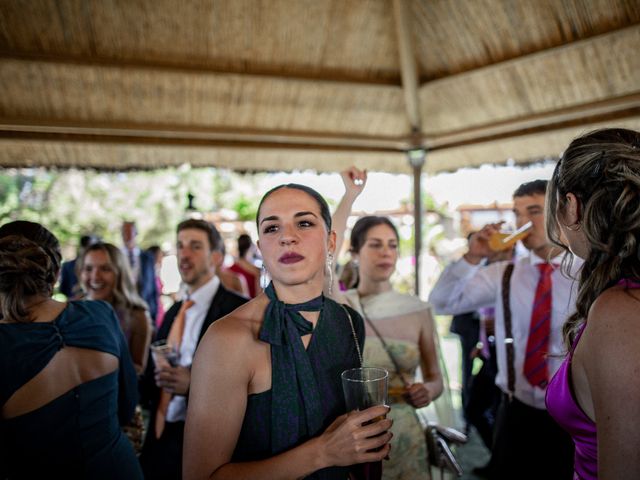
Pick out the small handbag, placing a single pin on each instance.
(439, 439)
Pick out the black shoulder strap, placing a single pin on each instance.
(508, 332)
(355, 336)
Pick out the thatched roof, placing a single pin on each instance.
(292, 84)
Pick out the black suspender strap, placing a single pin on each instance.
(508, 333)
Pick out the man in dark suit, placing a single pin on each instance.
(142, 266)
(166, 387)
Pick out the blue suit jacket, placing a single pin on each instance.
(147, 286)
(68, 279)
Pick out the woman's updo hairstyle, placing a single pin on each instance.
(359, 237)
(29, 264)
(325, 213)
(602, 169)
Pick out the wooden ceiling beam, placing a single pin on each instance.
(181, 135)
(329, 75)
(408, 68)
(610, 109)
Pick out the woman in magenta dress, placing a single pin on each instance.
(594, 210)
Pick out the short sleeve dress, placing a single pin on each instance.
(76, 435)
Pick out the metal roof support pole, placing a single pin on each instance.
(416, 158)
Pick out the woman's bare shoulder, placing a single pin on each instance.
(614, 317)
(243, 323)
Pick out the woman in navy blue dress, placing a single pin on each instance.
(67, 381)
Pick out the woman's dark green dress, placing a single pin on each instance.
(306, 389)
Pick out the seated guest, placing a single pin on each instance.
(67, 382)
(594, 211)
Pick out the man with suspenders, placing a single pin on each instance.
(532, 299)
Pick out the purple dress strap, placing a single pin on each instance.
(563, 407)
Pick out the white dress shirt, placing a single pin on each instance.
(194, 318)
(464, 287)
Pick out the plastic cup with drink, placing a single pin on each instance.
(164, 354)
(503, 240)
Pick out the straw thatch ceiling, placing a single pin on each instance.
(291, 84)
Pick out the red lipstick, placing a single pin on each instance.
(290, 257)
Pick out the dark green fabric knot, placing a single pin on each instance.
(279, 315)
(296, 410)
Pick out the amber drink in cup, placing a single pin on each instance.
(503, 240)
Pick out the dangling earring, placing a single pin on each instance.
(575, 227)
(264, 277)
(330, 267)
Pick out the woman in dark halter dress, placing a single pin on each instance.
(67, 382)
(266, 399)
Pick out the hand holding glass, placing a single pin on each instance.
(364, 388)
(503, 240)
(164, 354)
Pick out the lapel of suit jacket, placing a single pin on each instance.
(214, 311)
(168, 321)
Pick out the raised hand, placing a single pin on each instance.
(354, 181)
(479, 243)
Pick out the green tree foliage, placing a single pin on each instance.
(73, 202)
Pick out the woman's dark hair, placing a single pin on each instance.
(29, 264)
(325, 213)
(215, 240)
(602, 169)
(363, 225)
(244, 244)
(535, 187)
(154, 250)
(359, 236)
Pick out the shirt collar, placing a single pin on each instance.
(204, 294)
(536, 260)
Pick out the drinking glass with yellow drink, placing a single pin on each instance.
(503, 240)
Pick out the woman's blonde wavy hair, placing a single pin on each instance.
(602, 169)
(125, 294)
